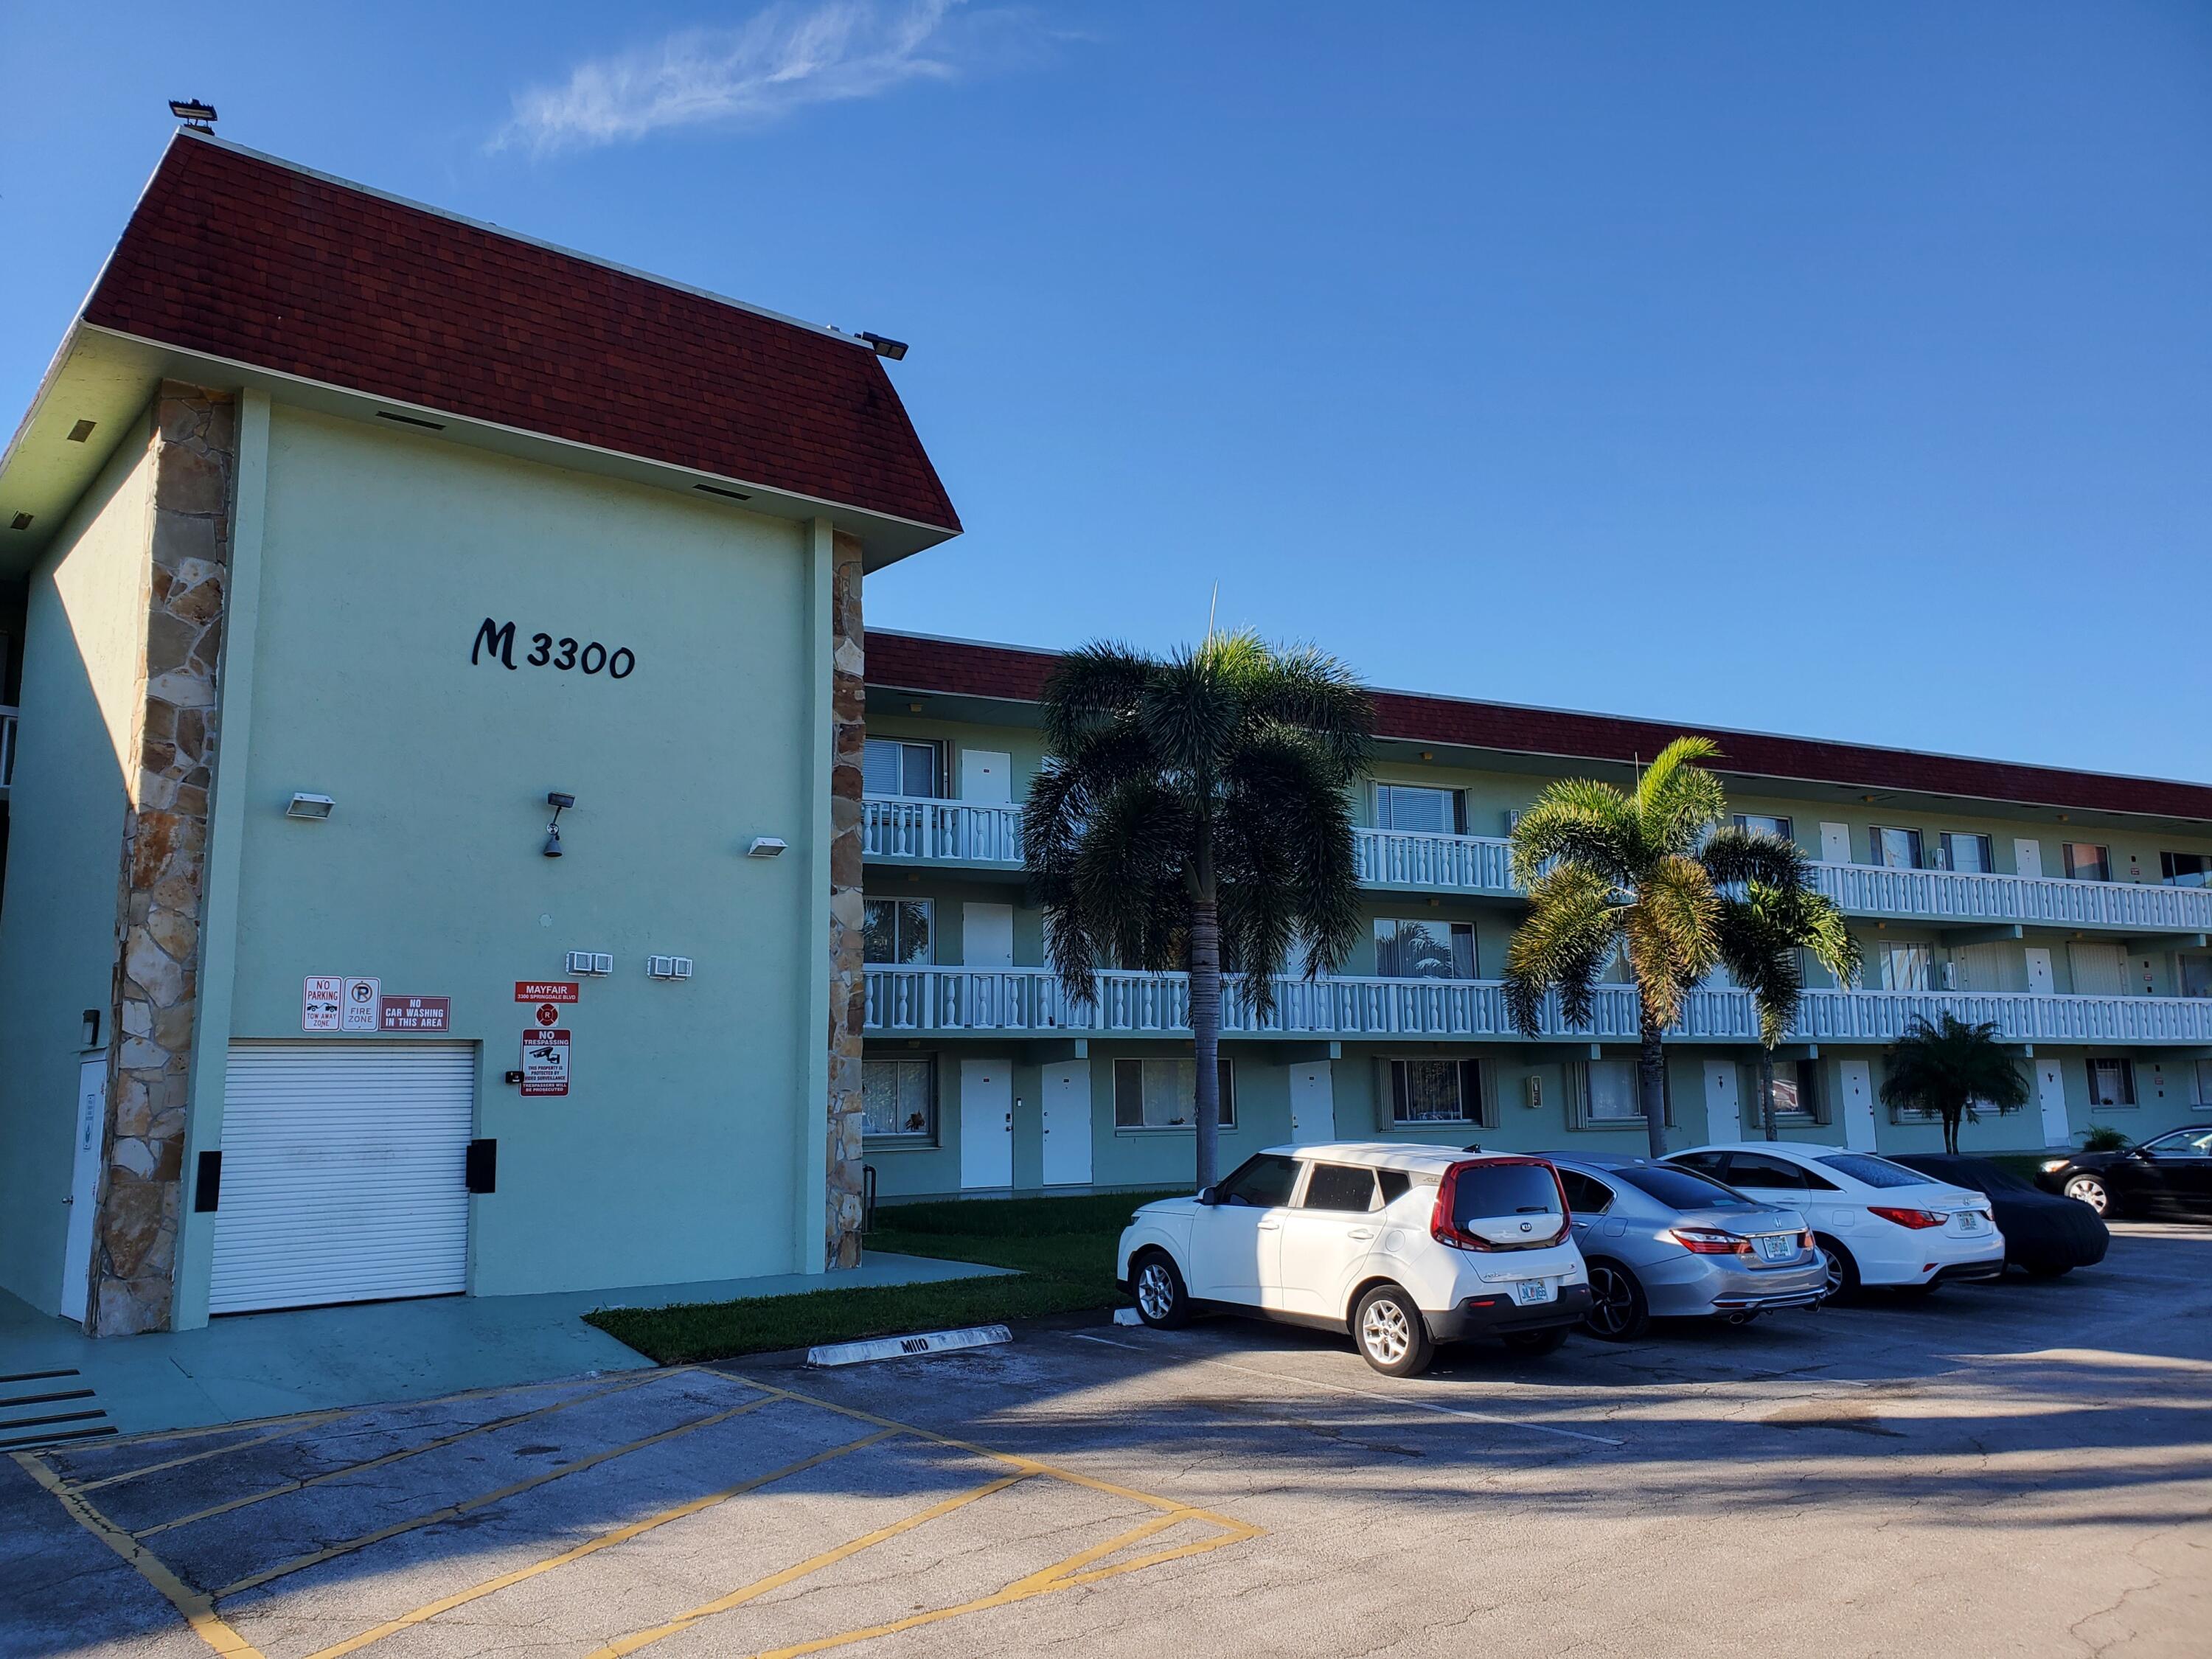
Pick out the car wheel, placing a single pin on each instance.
(2087, 1189)
(1391, 1333)
(1536, 1342)
(1620, 1312)
(1162, 1301)
(1842, 1271)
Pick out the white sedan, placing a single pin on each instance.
(1403, 1246)
(1878, 1222)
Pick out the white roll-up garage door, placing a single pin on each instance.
(343, 1173)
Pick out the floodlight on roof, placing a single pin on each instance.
(194, 113)
(894, 349)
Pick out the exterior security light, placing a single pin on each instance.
(894, 349)
(766, 847)
(194, 113)
(560, 804)
(314, 808)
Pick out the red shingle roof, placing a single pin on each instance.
(913, 662)
(236, 256)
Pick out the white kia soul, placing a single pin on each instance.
(1402, 1247)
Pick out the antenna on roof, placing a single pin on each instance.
(199, 117)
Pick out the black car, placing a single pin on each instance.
(2043, 1234)
(2168, 1176)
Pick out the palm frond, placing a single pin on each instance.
(1736, 856)
(1578, 821)
(1089, 686)
(1307, 689)
(1570, 934)
(1677, 800)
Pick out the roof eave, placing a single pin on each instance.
(108, 378)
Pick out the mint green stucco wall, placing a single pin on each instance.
(83, 652)
(675, 1156)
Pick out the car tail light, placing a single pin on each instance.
(1915, 1219)
(1445, 1230)
(1805, 1239)
(1709, 1240)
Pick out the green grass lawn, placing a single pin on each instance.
(1062, 1248)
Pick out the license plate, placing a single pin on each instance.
(1778, 1247)
(1532, 1289)
(1970, 1221)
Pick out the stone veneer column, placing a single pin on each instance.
(164, 859)
(848, 998)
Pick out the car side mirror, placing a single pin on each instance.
(1207, 1195)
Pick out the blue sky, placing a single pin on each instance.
(1836, 369)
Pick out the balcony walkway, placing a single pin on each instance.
(965, 834)
(1030, 1002)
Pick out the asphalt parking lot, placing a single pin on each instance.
(2020, 1469)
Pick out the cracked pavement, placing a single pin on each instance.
(2017, 1468)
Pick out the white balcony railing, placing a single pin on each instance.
(1434, 864)
(962, 833)
(941, 831)
(1030, 1000)
(2037, 900)
(7, 748)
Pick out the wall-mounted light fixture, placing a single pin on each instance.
(560, 804)
(92, 1028)
(591, 962)
(668, 967)
(894, 349)
(766, 847)
(314, 808)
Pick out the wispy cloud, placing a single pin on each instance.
(778, 61)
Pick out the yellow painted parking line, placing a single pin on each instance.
(430, 1610)
(1048, 1581)
(279, 1491)
(198, 1608)
(293, 1423)
(451, 1512)
(1017, 1459)
(292, 1427)
(776, 1581)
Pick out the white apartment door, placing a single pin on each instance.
(1858, 1105)
(987, 1123)
(1313, 1103)
(2039, 982)
(986, 935)
(1067, 1124)
(2026, 857)
(1835, 843)
(343, 1173)
(986, 776)
(84, 1183)
(2050, 1096)
(1723, 1102)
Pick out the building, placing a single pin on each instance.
(2069, 908)
(349, 535)
(458, 839)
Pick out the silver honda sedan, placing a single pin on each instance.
(1669, 1244)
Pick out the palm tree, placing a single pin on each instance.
(1950, 1069)
(1195, 813)
(1639, 872)
(1767, 928)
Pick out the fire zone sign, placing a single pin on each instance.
(545, 1062)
